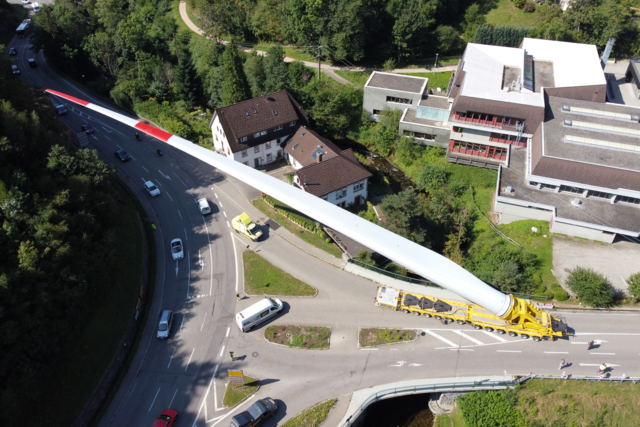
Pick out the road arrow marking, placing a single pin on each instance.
(168, 177)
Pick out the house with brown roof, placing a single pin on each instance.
(306, 147)
(340, 179)
(252, 131)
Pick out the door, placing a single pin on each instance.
(257, 161)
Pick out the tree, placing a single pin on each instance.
(591, 287)
(253, 68)
(473, 18)
(222, 18)
(186, 84)
(102, 51)
(364, 256)
(634, 285)
(299, 76)
(410, 28)
(404, 215)
(432, 176)
(507, 276)
(275, 70)
(236, 88)
(333, 108)
(449, 40)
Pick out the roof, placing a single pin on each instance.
(397, 82)
(254, 115)
(434, 101)
(589, 142)
(532, 115)
(330, 175)
(305, 144)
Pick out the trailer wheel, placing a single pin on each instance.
(448, 320)
(513, 334)
(478, 327)
(545, 338)
(438, 317)
(460, 322)
(500, 331)
(537, 339)
(417, 313)
(427, 315)
(524, 336)
(405, 311)
(488, 329)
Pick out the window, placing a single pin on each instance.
(342, 205)
(277, 128)
(418, 135)
(574, 190)
(275, 113)
(268, 144)
(256, 149)
(245, 163)
(244, 153)
(630, 200)
(341, 193)
(548, 187)
(243, 139)
(269, 157)
(258, 134)
(254, 111)
(599, 195)
(398, 100)
(257, 161)
(359, 186)
(533, 183)
(293, 123)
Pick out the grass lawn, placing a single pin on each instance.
(87, 357)
(356, 77)
(260, 277)
(507, 13)
(311, 238)
(377, 336)
(236, 393)
(312, 417)
(436, 80)
(307, 337)
(454, 419)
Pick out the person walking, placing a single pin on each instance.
(237, 297)
(589, 345)
(561, 365)
(603, 367)
(231, 356)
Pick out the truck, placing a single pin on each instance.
(524, 320)
(61, 109)
(243, 225)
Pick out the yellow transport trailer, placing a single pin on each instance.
(523, 319)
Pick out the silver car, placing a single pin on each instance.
(177, 251)
(151, 189)
(203, 204)
(164, 326)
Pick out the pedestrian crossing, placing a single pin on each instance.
(455, 338)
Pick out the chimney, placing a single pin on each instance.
(319, 157)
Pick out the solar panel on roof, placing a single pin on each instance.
(602, 143)
(528, 72)
(605, 128)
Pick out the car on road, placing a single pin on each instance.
(15, 69)
(151, 189)
(26, 1)
(36, 7)
(88, 129)
(12, 51)
(166, 419)
(164, 325)
(177, 251)
(122, 155)
(204, 207)
(32, 63)
(256, 414)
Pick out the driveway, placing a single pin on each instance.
(616, 261)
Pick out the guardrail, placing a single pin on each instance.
(607, 378)
(467, 385)
(393, 275)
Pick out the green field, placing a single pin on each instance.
(312, 417)
(236, 393)
(436, 79)
(260, 277)
(507, 13)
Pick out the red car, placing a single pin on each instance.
(166, 419)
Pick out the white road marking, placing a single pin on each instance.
(154, 400)
(132, 157)
(415, 364)
(107, 137)
(433, 334)
(596, 364)
(171, 358)
(170, 196)
(210, 257)
(399, 364)
(180, 180)
(220, 204)
(594, 341)
(228, 329)
(462, 334)
(145, 169)
(94, 137)
(224, 213)
(370, 349)
(605, 354)
(556, 352)
(187, 367)
(185, 235)
(158, 182)
(119, 146)
(508, 351)
(106, 129)
(205, 318)
(188, 274)
(461, 349)
(228, 226)
(180, 214)
(167, 177)
(496, 336)
(232, 411)
(221, 351)
(182, 323)
(215, 194)
(174, 396)
(235, 255)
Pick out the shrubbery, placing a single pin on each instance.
(490, 408)
(634, 285)
(590, 287)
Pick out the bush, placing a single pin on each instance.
(634, 285)
(490, 408)
(560, 294)
(519, 3)
(548, 294)
(529, 7)
(592, 288)
(327, 240)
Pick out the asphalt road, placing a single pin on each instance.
(179, 372)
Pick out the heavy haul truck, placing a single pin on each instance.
(524, 319)
(511, 313)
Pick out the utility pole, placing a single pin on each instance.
(436, 63)
(319, 56)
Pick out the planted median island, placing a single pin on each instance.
(371, 337)
(308, 337)
(263, 278)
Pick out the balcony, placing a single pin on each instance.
(491, 120)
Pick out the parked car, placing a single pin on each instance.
(164, 325)
(256, 414)
(88, 129)
(12, 51)
(151, 189)
(122, 155)
(26, 1)
(15, 69)
(204, 207)
(177, 251)
(166, 419)
(36, 7)
(32, 63)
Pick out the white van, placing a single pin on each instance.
(258, 312)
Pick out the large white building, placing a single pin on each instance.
(252, 131)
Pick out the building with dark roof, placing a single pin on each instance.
(633, 76)
(306, 147)
(252, 131)
(340, 179)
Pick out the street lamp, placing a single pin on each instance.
(436, 63)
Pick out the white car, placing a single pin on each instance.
(36, 8)
(203, 205)
(177, 252)
(26, 1)
(152, 189)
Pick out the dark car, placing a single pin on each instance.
(32, 63)
(166, 419)
(256, 413)
(12, 51)
(122, 155)
(88, 129)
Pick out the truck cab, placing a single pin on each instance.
(243, 225)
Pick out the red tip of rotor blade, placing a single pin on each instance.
(160, 134)
(69, 97)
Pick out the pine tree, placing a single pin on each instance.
(275, 70)
(186, 85)
(236, 88)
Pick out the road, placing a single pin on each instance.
(179, 372)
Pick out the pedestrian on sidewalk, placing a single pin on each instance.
(231, 356)
(561, 365)
(237, 297)
(589, 345)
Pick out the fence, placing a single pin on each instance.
(621, 379)
(393, 275)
